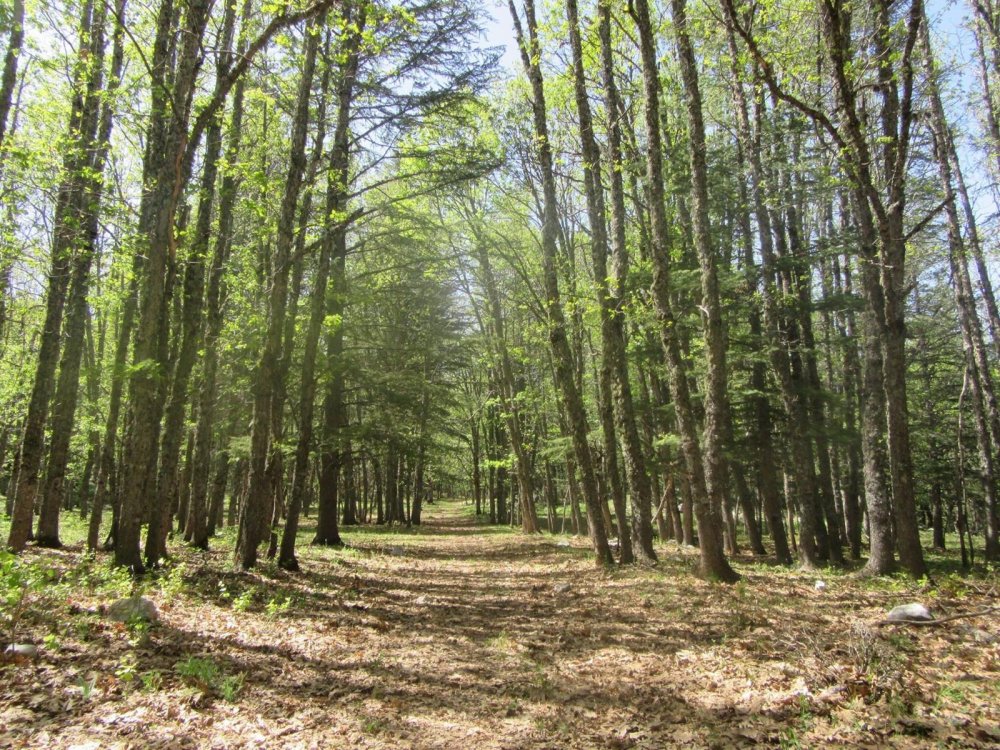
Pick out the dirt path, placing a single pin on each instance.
(463, 636)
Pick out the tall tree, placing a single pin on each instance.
(706, 506)
(561, 354)
(255, 513)
(68, 236)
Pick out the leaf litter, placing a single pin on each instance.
(461, 637)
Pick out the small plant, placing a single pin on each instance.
(789, 739)
(51, 642)
(230, 687)
(138, 630)
(151, 680)
(201, 672)
(952, 586)
(172, 584)
(127, 669)
(899, 708)
(206, 676)
(23, 585)
(244, 601)
(741, 612)
(112, 582)
(874, 658)
(82, 628)
(951, 692)
(540, 681)
(277, 606)
(86, 687)
(500, 642)
(513, 708)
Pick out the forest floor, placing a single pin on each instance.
(459, 635)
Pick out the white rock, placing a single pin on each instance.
(20, 651)
(821, 585)
(910, 612)
(561, 588)
(132, 609)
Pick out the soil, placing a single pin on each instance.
(460, 635)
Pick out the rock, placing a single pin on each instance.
(563, 543)
(833, 694)
(134, 609)
(910, 613)
(820, 585)
(561, 588)
(420, 600)
(396, 551)
(20, 652)
(978, 635)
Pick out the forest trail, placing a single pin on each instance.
(460, 635)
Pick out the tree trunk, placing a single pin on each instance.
(984, 398)
(307, 398)
(164, 174)
(334, 412)
(192, 339)
(68, 234)
(95, 140)
(561, 353)
(713, 560)
(255, 514)
(206, 409)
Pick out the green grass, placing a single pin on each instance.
(945, 567)
(72, 528)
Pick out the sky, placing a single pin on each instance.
(500, 33)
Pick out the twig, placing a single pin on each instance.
(940, 620)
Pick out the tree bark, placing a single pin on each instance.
(307, 398)
(334, 412)
(69, 222)
(713, 559)
(192, 337)
(558, 341)
(213, 306)
(164, 175)
(95, 141)
(255, 514)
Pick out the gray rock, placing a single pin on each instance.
(978, 635)
(909, 613)
(134, 609)
(20, 651)
(561, 588)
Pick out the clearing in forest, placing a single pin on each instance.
(460, 635)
